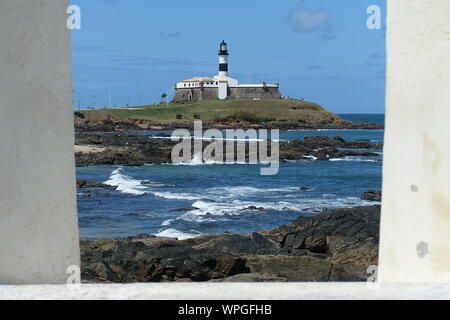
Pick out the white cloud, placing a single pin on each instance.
(305, 21)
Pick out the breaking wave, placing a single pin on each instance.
(356, 159)
(126, 184)
(176, 196)
(208, 211)
(174, 233)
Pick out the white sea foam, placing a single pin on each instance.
(310, 157)
(213, 208)
(209, 211)
(174, 233)
(328, 195)
(198, 160)
(206, 211)
(126, 184)
(176, 196)
(222, 193)
(167, 223)
(241, 191)
(355, 159)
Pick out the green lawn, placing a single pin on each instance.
(214, 110)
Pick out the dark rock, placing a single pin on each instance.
(288, 240)
(372, 195)
(133, 215)
(253, 208)
(231, 266)
(336, 245)
(142, 236)
(261, 243)
(186, 209)
(84, 184)
(293, 268)
(79, 115)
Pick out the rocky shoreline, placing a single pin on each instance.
(336, 245)
(137, 150)
(111, 124)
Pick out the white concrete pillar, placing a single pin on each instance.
(415, 228)
(38, 222)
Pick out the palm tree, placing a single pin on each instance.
(164, 96)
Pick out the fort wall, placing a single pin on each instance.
(255, 93)
(199, 94)
(196, 94)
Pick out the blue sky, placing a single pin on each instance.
(318, 50)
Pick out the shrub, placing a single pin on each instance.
(179, 116)
(247, 117)
(197, 116)
(79, 115)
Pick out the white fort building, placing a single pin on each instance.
(221, 86)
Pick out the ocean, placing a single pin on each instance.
(185, 201)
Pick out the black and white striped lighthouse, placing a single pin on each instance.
(223, 60)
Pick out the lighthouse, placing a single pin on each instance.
(223, 61)
(223, 70)
(221, 86)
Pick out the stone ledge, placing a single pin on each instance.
(231, 291)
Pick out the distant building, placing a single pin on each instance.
(222, 87)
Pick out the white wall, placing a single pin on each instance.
(223, 90)
(415, 229)
(38, 224)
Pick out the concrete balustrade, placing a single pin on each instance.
(38, 225)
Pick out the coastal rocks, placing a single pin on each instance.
(336, 245)
(233, 243)
(123, 149)
(372, 195)
(292, 268)
(348, 236)
(324, 149)
(251, 277)
(231, 266)
(253, 208)
(84, 184)
(108, 124)
(189, 209)
(137, 150)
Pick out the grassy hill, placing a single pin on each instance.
(255, 111)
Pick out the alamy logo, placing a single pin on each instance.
(74, 279)
(228, 147)
(374, 20)
(372, 271)
(74, 19)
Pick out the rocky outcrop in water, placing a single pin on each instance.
(324, 148)
(137, 150)
(84, 184)
(372, 195)
(336, 245)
